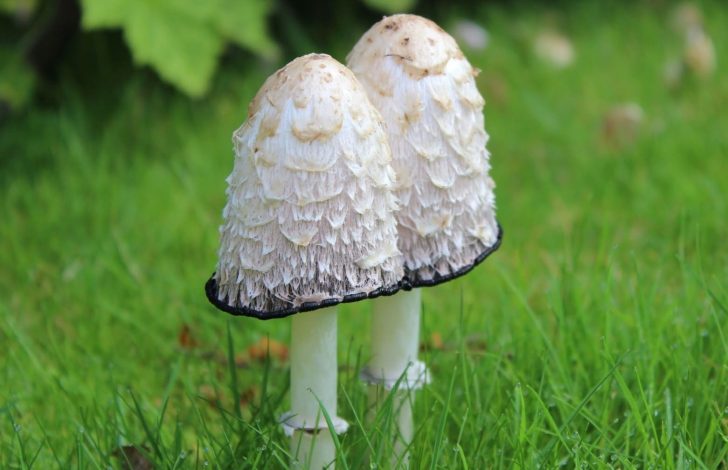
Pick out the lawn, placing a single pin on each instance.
(596, 337)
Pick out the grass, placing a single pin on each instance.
(595, 338)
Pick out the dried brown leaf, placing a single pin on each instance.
(259, 350)
(248, 395)
(133, 458)
(185, 338)
(621, 124)
(476, 343)
(434, 342)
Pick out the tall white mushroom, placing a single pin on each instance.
(425, 89)
(308, 224)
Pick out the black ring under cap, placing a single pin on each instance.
(211, 291)
(409, 282)
(412, 280)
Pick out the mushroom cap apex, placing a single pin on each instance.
(310, 78)
(416, 43)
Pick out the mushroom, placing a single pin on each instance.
(308, 224)
(419, 80)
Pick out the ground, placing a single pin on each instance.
(595, 337)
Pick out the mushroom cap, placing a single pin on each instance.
(309, 217)
(419, 80)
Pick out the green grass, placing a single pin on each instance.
(596, 337)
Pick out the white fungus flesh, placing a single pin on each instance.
(309, 215)
(419, 80)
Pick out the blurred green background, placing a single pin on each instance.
(594, 338)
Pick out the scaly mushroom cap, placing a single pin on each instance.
(425, 89)
(309, 218)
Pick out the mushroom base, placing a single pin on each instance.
(291, 424)
(402, 403)
(416, 377)
(312, 450)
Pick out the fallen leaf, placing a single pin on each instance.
(133, 458)
(259, 350)
(476, 343)
(241, 361)
(185, 338)
(434, 342)
(495, 88)
(209, 394)
(248, 395)
(554, 48)
(471, 34)
(672, 73)
(621, 124)
(699, 53)
(686, 16)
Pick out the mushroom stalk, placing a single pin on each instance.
(313, 387)
(395, 334)
(402, 404)
(395, 344)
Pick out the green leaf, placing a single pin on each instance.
(391, 6)
(17, 80)
(244, 24)
(103, 13)
(19, 8)
(184, 51)
(182, 39)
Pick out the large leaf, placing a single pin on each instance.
(18, 8)
(182, 39)
(243, 22)
(17, 80)
(391, 6)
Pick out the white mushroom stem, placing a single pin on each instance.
(395, 344)
(402, 404)
(312, 451)
(313, 387)
(395, 334)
